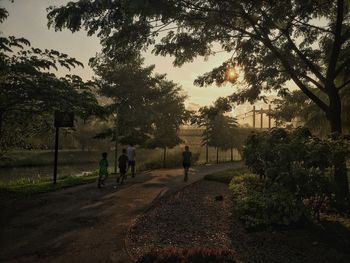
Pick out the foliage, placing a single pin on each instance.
(42, 185)
(183, 255)
(259, 204)
(218, 129)
(28, 86)
(128, 90)
(148, 107)
(296, 106)
(169, 114)
(298, 162)
(272, 41)
(174, 160)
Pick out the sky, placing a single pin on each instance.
(27, 18)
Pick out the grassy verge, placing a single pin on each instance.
(43, 185)
(173, 160)
(225, 176)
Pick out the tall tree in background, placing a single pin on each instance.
(169, 113)
(129, 90)
(218, 128)
(307, 42)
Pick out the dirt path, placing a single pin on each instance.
(84, 224)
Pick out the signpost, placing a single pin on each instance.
(62, 119)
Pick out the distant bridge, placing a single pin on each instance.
(254, 112)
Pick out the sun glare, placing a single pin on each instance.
(231, 74)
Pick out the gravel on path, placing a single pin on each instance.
(193, 218)
(190, 218)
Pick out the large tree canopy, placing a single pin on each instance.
(271, 41)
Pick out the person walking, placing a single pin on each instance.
(123, 162)
(131, 156)
(186, 161)
(103, 170)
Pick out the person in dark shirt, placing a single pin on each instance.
(103, 170)
(186, 161)
(123, 164)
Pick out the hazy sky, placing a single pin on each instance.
(27, 18)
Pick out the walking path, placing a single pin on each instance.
(85, 224)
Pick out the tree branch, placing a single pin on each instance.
(294, 75)
(313, 26)
(317, 84)
(344, 84)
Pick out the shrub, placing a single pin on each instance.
(298, 162)
(259, 204)
(184, 255)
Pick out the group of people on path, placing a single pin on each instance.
(127, 161)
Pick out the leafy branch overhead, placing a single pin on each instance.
(30, 91)
(272, 42)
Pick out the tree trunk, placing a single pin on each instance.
(334, 112)
(231, 154)
(340, 170)
(164, 157)
(1, 120)
(217, 155)
(206, 153)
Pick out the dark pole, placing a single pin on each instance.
(206, 153)
(56, 155)
(217, 155)
(164, 156)
(269, 116)
(206, 146)
(254, 117)
(116, 145)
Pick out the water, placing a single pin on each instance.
(15, 173)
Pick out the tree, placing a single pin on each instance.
(129, 90)
(307, 42)
(274, 41)
(218, 128)
(30, 92)
(296, 106)
(169, 113)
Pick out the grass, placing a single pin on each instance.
(225, 176)
(43, 185)
(173, 160)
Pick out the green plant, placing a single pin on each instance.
(28, 186)
(225, 176)
(184, 255)
(259, 204)
(299, 162)
(174, 159)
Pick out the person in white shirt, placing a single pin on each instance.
(131, 152)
